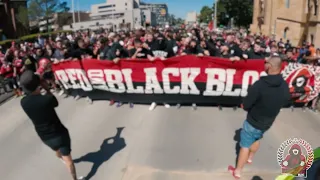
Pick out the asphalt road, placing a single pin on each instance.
(164, 144)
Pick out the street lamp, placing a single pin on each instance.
(73, 15)
(215, 13)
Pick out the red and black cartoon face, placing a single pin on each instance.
(300, 84)
(294, 159)
(295, 150)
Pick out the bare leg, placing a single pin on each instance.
(314, 103)
(242, 160)
(253, 149)
(53, 83)
(58, 154)
(70, 165)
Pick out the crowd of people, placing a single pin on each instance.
(151, 44)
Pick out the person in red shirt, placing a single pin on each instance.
(7, 71)
(17, 64)
(46, 73)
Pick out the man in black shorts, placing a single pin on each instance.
(41, 110)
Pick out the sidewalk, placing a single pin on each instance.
(5, 97)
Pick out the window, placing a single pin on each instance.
(108, 6)
(107, 11)
(288, 3)
(126, 4)
(285, 32)
(311, 38)
(316, 7)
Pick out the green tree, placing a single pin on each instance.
(205, 14)
(172, 19)
(223, 17)
(240, 10)
(45, 8)
(180, 21)
(22, 16)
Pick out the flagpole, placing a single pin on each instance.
(215, 13)
(79, 20)
(73, 15)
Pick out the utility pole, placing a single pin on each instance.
(79, 20)
(73, 15)
(47, 17)
(215, 13)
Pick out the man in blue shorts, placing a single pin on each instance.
(263, 103)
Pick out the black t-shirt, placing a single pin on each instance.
(235, 50)
(256, 55)
(141, 55)
(123, 54)
(95, 56)
(30, 63)
(193, 51)
(170, 45)
(226, 56)
(79, 53)
(152, 45)
(41, 110)
(104, 53)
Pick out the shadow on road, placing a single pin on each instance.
(256, 178)
(236, 138)
(107, 150)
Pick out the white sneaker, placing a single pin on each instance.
(77, 98)
(194, 106)
(61, 92)
(152, 106)
(81, 178)
(89, 100)
(167, 106)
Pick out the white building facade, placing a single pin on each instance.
(122, 14)
(191, 18)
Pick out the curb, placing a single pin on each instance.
(5, 97)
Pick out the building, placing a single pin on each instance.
(10, 26)
(160, 11)
(294, 20)
(191, 18)
(123, 14)
(57, 20)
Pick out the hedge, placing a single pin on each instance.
(6, 42)
(31, 37)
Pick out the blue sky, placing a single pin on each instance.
(177, 7)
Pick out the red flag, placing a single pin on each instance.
(210, 25)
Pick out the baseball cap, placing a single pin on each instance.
(29, 81)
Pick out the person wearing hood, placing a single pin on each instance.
(263, 103)
(139, 52)
(172, 47)
(150, 41)
(160, 48)
(193, 49)
(159, 51)
(256, 53)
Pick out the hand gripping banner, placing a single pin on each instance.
(184, 79)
